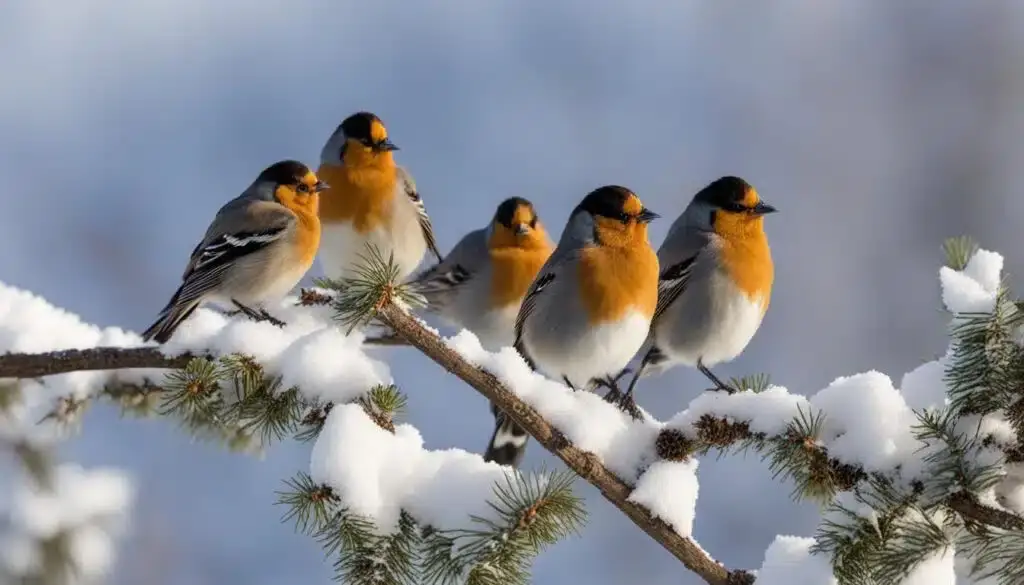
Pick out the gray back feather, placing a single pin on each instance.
(331, 152)
(690, 233)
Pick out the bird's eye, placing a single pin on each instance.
(303, 188)
(624, 217)
(533, 223)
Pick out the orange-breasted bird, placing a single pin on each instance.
(371, 200)
(590, 308)
(716, 281)
(258, 247)
(482, 281)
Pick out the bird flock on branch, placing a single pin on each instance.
(578, 311)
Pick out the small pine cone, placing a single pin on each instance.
(672, 445)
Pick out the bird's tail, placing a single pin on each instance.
(170, 318)
(508, 443)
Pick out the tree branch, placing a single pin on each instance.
(720, 433)
(583, 463)
(35, 365)
(968, 506)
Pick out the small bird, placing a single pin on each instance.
(257, 248)
(589, 310)
(482, 281)
(371, 200)
(715, 284)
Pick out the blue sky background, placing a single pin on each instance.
(877, 128)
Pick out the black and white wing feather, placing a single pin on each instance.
(465, 261)
(409, 185)
(544, 279)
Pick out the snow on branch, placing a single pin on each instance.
(917, 482)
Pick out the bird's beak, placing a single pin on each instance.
(647, 216)
(386, 145)
(320, 186)
(762, 208)
(522, 229)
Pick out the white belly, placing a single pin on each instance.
(495, 328)
(341, 248)
(598, 352)
(721, 336)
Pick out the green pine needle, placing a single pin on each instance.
(309, 504)
(375, 280)
(193, 391)
(797, 456)
(385, 400)
(958, 251)
(313, 422)
(534, 512)
(755, 383)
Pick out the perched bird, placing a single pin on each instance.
(589, 309)
(371, 200)
(482, 281)
(257, 248)
(716, 281)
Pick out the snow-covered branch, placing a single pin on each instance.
(912, 477)
(585, 464)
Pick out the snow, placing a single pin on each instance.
(972, 290)
(378, 474)
(388, 472)
(867, 422)
(89, 506)
(310, 352)
(623, 445)
(788, 561)
(766, 412)
(669, 490)
(937, 569)
(924, 387)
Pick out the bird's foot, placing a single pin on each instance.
(265, 316)
(629, 406)
(723, 388)
(258, 316)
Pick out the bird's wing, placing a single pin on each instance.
(234, 233)
(547, 274)
(409, 186)
(677, 256)
(464, 261)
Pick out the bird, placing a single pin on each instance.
(371, 201)
(589, 309)
(258, 246)
(715, 284)
(483, 279)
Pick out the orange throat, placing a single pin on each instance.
(749, 263)
(514, 271)
(359, 196)
(308, 237)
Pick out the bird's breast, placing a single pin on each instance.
(513, 271)
(616, 280)
(307, 239)
(360, 196)
(748, 262)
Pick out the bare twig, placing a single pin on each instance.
(583, 463)
(28, 365)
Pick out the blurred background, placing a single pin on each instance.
(877, 128)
